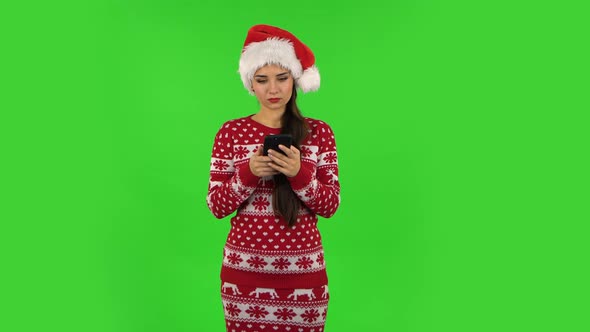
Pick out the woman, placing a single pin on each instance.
(273, 273)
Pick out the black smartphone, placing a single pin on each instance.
(273, 141)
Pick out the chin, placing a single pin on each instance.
(277, 107)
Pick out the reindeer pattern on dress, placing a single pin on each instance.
(308, 292)
(270, 291)
(231, 286)
(302, 291)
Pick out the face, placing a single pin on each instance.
(273, 86)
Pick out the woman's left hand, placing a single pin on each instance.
(288, 164)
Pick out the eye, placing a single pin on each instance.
(284, 78)
(260, 81)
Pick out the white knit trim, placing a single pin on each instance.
(271, 51)
(241, 306)
(327, 158)
(309, 80)
(219, 165)
(295, 263)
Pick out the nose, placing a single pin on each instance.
(273, 87)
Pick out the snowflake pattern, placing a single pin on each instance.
(234, 258)
(245, 192)
(304, 262)
(285, 314)
(257, 262)
(240, 152)
(325, 313)
(305, 151)
(310, 315)
(330, 157)
(260, 203)
(320, 258)
(232, 309)
(257, 312)
(220, 165)
(281, 263)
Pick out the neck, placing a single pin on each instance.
(269, 118)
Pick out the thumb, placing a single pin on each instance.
(259, 151)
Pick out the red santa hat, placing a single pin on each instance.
(266, 44)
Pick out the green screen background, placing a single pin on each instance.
(462, 135)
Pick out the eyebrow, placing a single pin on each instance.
(281, 74)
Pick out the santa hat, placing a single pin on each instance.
(266, 44)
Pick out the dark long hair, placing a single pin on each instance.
(285, 202)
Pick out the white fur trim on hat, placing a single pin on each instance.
(271, 51)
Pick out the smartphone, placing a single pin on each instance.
(273, 141)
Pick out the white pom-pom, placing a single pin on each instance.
(309, 80)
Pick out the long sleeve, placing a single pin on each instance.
(230, 184)
(317, 183)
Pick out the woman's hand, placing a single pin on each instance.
(287, 164)
(259, 164)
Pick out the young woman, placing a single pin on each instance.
(273, 273)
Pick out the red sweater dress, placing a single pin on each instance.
(261, 249)
(273, 276)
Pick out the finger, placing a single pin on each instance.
(278, 167)
(258, 151)
(265, 166)
(267, 171)
(276, 155)
(278, 159)
(262, 159)
(269, 174)
(286, 150)
(294, 150)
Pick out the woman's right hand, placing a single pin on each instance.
(259, 164)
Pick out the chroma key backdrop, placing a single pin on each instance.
(462, 137)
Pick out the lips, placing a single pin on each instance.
(274, 100)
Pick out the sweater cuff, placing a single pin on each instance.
(246, 176)
(303, 178)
